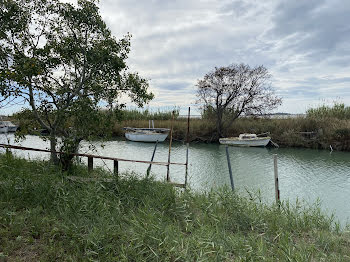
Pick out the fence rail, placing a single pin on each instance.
(92, 156)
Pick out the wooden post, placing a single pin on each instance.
(150, 165)
(277, 190)
(229, 168)
(90, 163)
(187, 144)
(115, 170)
(171, 139)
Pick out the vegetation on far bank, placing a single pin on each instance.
(46, 217)
(319, 128)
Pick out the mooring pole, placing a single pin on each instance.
(116, 166)
(150, 165)
(277, 190)
(187, 143)
(229, 168)
(90, 163)
(171, 139)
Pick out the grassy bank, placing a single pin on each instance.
(44, 216)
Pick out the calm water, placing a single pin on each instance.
(303, 173)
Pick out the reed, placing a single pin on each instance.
(146, 114)
(338, 110)
(289, 132)
(46, 217)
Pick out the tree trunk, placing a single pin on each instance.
(219, 124)
(70, 147)
(53, 142)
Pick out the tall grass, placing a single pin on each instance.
(338, 111)
(44, 216)
(146, 114)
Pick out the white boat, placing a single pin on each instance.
(245, 140)
(3, 128)
(11, 127)
(146, 134)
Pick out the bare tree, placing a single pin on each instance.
(227, 93)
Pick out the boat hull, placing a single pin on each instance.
(139, 137)
(12, 128)
(263, 141)
(3, 129)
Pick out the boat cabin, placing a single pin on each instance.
(247, 136)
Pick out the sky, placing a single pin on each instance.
(305, 45)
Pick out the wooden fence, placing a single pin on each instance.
(92, 157)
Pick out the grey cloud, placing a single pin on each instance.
(304, 43)
(317, 28)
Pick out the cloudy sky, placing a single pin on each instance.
(305, 44)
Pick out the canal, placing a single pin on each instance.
(304, 174)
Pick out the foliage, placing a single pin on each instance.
(338, 110)
(63, 60)
(45, 217)
(229, 92)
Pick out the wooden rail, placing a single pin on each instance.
(93, 156)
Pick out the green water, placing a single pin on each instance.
(304, 174)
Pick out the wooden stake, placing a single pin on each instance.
(116, 167)
(187, 144)
(229, 168)
(277, 190)
(150, 165)
(171, 139)
(90, 163)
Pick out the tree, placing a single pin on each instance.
(229, 92)
(63, 60)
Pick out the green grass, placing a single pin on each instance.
(46, 217)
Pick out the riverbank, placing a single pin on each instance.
(44, 216)
(305, 132)
(320, 128)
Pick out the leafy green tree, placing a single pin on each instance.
(227, 93)
(64, 61)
